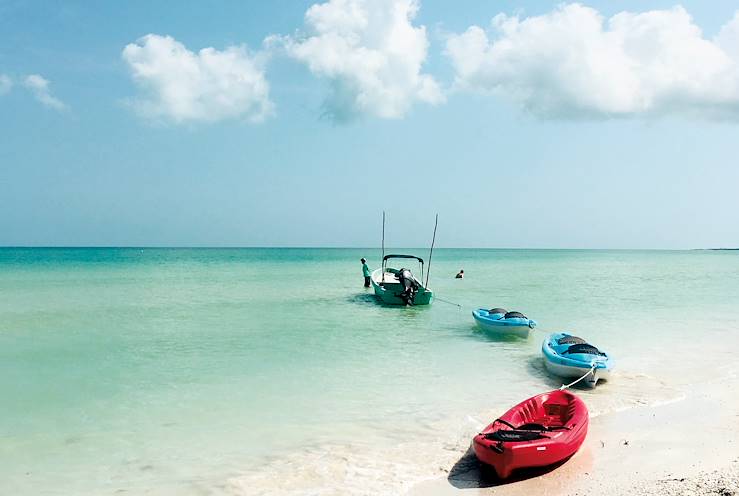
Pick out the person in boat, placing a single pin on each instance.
(460, 274)
(366, 272)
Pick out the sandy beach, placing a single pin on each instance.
(685, 447)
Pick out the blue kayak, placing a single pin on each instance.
(569, 356)
(498, 320)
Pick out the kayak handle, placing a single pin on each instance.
(504, 423)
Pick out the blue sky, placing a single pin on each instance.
(559, 125)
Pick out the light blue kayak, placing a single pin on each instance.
(497, 320)
(569, 356)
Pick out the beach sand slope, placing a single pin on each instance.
(690, 446)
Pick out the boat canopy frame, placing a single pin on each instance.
(387, 257)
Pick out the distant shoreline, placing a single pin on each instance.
(195, 247)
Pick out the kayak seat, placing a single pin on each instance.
(498, 310)
(584, 348)
(557, 415)
(556, 410)
(571, 340)
(514, 315)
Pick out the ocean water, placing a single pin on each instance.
(273, 371)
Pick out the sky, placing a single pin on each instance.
(522, 124)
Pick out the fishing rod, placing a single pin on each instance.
(383, 247)
(431, 251)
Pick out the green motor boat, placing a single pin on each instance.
(399, 286)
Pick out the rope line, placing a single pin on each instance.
(447, 301)
(592, 368)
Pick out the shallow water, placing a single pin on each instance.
(256, 371)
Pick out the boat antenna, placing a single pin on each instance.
(431, 251)
(383, 246)
(383, 234)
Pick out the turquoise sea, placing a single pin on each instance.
(273, 371)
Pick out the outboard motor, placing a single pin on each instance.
(409, 284)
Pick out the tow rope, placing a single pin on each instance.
(447, 301)
(592, 368)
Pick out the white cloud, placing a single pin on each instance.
(39, 86)
(5, 84)
(371, 54)
(573, 63)
(210, 85)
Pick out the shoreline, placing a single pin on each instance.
(690, 446)
(656, 448)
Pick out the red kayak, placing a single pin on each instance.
(539, 431)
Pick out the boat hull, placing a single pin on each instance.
(563, 414)
(570, 372)
(388, 293)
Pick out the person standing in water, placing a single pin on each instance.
(460, 274)
(366, 272)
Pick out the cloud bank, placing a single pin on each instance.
(183, 86)
(574, 63)
(370, 52)
(39, 86)
(5, 84)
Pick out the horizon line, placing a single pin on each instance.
(237, 247)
